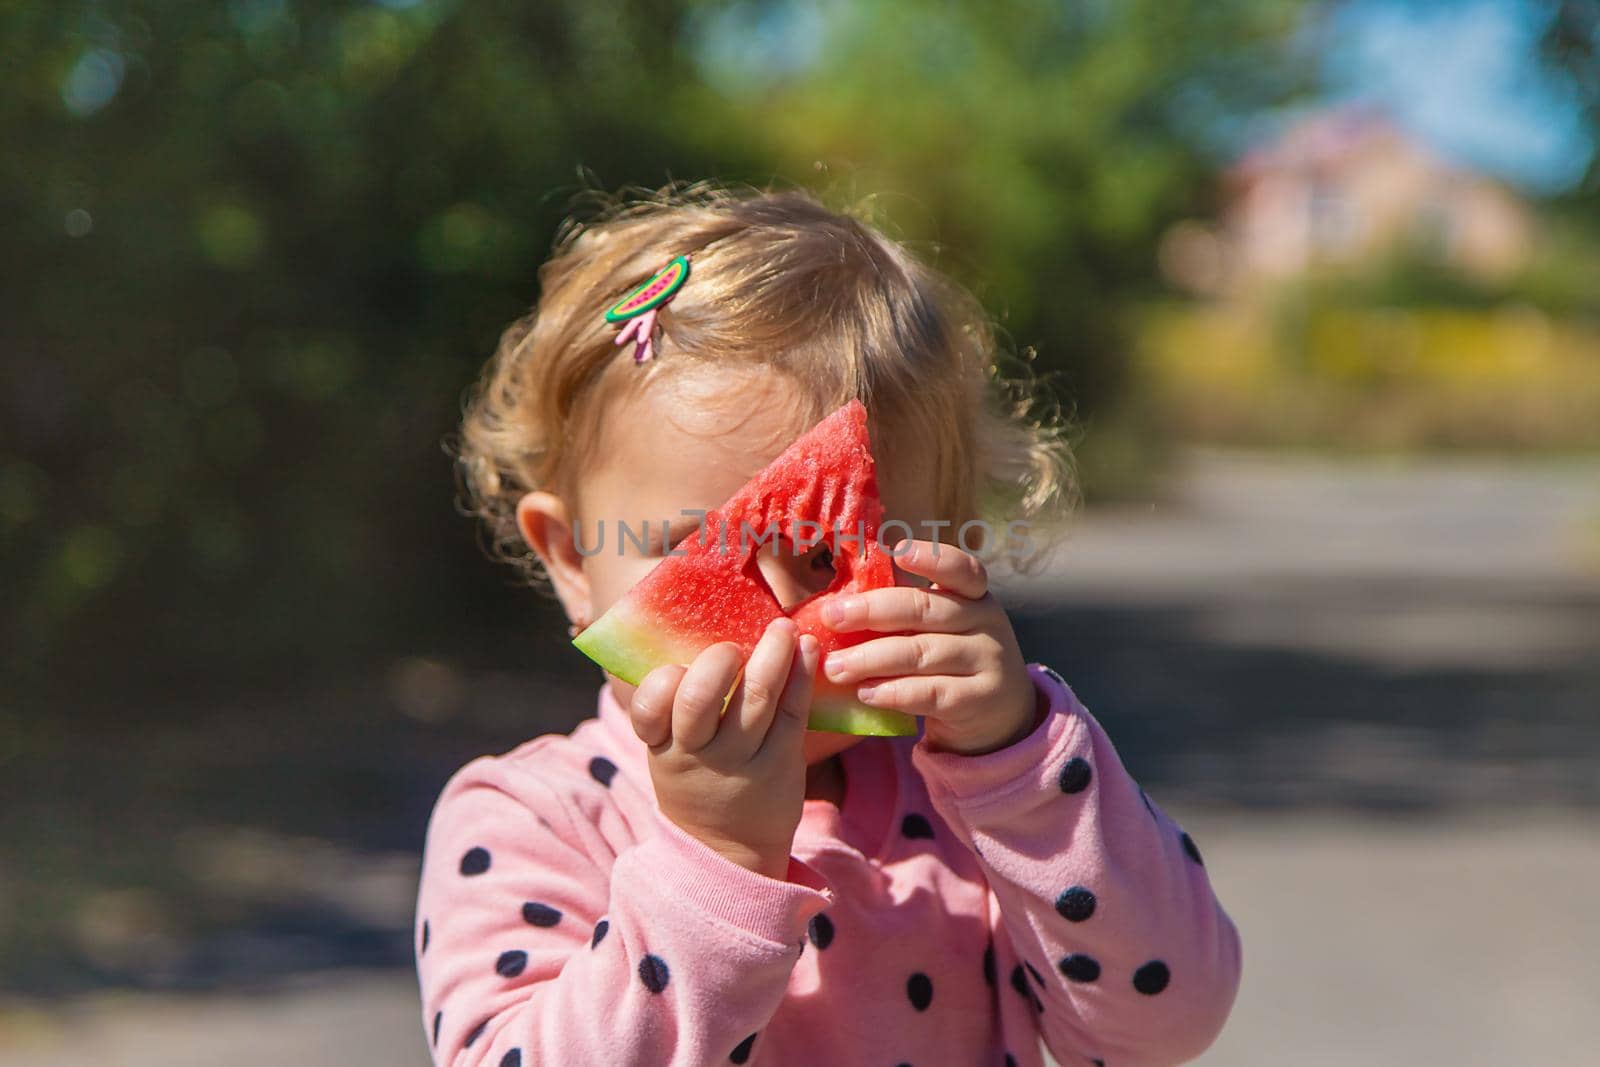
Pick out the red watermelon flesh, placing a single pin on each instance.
(715, 592)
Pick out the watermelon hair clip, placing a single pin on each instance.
(639, 308)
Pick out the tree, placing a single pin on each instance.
(255, 251)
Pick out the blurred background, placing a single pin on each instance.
(1319, 280)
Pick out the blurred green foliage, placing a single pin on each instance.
(255, 250)
(1321, 370)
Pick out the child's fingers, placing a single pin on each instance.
(933, 696)
(755, 698)
(900, 607)
(794, 705)
(946, 566)
(651, 708)
(697, 709)
(908, 654)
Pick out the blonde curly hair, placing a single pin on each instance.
(779, 282)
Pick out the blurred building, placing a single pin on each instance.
(1347, 190)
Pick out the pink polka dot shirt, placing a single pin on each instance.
(952, 910)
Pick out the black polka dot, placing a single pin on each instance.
(1011, 1061)
(1079, 968)
(1075, 775)
(602, 770)
(1037, 977)
(1152, 978)
(475, 861)
(1098, 1062)
(919, 987)
(915, 825)
(477, 1032)
(438, 1017)
(600, 929)
(512, 963)
(536, 914)
(1075, 904)
(1192, 849)
(820, 931)
(653, 973)
(988, 964)
(741, 1051)
(1019, 982)
(512, 1058)
(426, 933)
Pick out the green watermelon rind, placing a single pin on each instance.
(630, 648)
(845, 716)
(679, 271)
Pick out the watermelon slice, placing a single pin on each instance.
(822, 490)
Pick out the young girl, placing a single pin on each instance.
(676, 884)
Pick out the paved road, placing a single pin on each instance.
(1290, 633)
(1232, 518)
(1463, 942)
(1372, 693)
(329, 1019)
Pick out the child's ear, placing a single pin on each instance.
(547, 527)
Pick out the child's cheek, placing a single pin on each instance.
(611, 576)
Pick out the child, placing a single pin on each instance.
(670, 884)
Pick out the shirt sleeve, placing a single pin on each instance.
(531, 950)
(1121, 950)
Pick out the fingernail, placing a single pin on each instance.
(809, 648)
(865, 692)
(835, 665)
(782, 624)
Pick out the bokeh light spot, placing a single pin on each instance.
(93, 81)
(456, 238)
(230, 234)
(317, 369)
(90, 556)
(78, 223)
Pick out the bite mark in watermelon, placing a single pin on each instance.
(714, 590)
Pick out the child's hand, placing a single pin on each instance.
(734, 780)
(953, 659)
